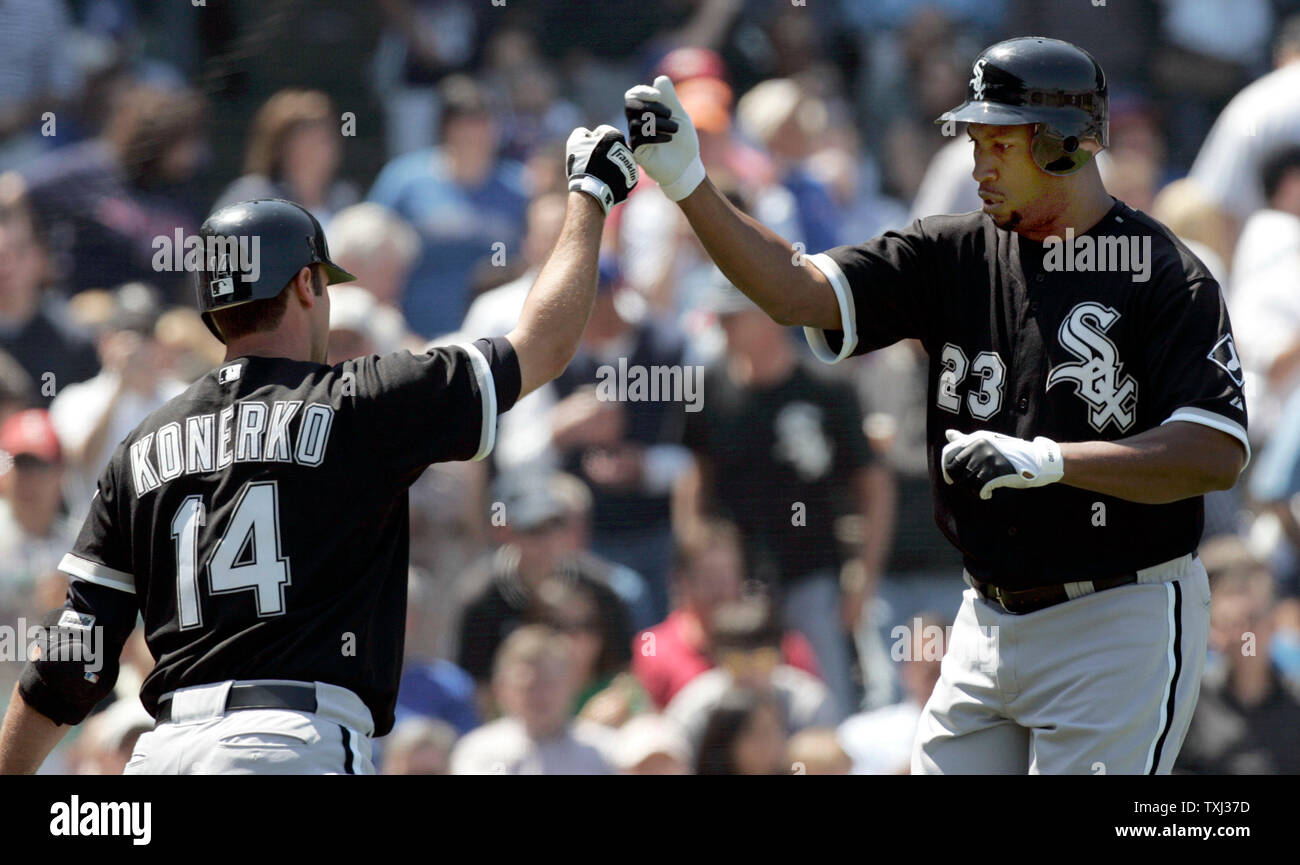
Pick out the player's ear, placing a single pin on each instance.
(303, 288)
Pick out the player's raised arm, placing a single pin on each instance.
(601, 173)
(754, 258)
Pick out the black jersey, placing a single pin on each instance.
(782, 457)
(259, 521)
(1100, 336)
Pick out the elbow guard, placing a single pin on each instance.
(70, 666)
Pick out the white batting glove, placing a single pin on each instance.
(599, 164)
(986, 461)
(663, 137)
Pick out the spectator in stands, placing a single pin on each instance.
(1184, 209)
(34, 533)
(33, 329)
(880, 740)
(535, 679)
(354, 331)
(708, 574)
(627, 451)
(607, 693)
(1247, 715)
(817, 751)
(293, 152)
(112, 201)
(780, 451)
(651, 745)
(538, 541)
(1206, 52)
(15, 386)
(743, 734)
(746, 645)
(431, 687)
(423, 42)
(186, 346)
(1264, 302)
(419, 746)
(93, 416)
(465, 203)
(38, 74)
(789, 123)
(377, 245)
(1259, 120)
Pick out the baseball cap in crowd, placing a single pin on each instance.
(707, 101)
(136, 307)
(534, 499)
(684, 64)
(351, 308)
(30, 434)
(645, 736)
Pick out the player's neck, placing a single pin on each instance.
(1086, 205)
(269, 344)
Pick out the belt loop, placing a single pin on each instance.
(199, 703)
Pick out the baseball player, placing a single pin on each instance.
(1084, 393)
(258, 521)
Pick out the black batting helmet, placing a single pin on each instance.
(252, 249)
(1057, 86)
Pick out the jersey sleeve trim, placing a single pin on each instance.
(488, 394)
(1214, 421)
(94, 572)
(844, 295)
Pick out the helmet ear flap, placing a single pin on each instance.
(1060, 155)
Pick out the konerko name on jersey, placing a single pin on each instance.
(250, 431)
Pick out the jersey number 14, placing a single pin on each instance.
(246, 558)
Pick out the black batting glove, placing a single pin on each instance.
(600, 164)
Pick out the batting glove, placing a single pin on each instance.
(599, 164)
(985, 461)
(663, 137)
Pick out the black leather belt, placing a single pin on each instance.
(297, 698)
(1029, 600)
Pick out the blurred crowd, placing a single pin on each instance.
(744, 581)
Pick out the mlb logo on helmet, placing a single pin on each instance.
(224, 283)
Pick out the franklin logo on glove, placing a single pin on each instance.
(599, 164)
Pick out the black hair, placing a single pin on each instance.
(730, 719)
(1274, 168)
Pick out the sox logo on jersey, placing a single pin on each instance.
(1096, 377)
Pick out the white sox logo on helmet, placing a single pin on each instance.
(977, 83)
(1097, 381)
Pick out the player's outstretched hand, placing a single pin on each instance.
(599, 163)
(983, 461)
(663, 137)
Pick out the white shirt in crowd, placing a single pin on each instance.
(503, 747)
(804, 700)
(1264, 303)
(72, 414)
(880, 742)
(1261, 118)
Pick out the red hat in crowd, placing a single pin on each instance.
(30, 433)
(683, 64)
